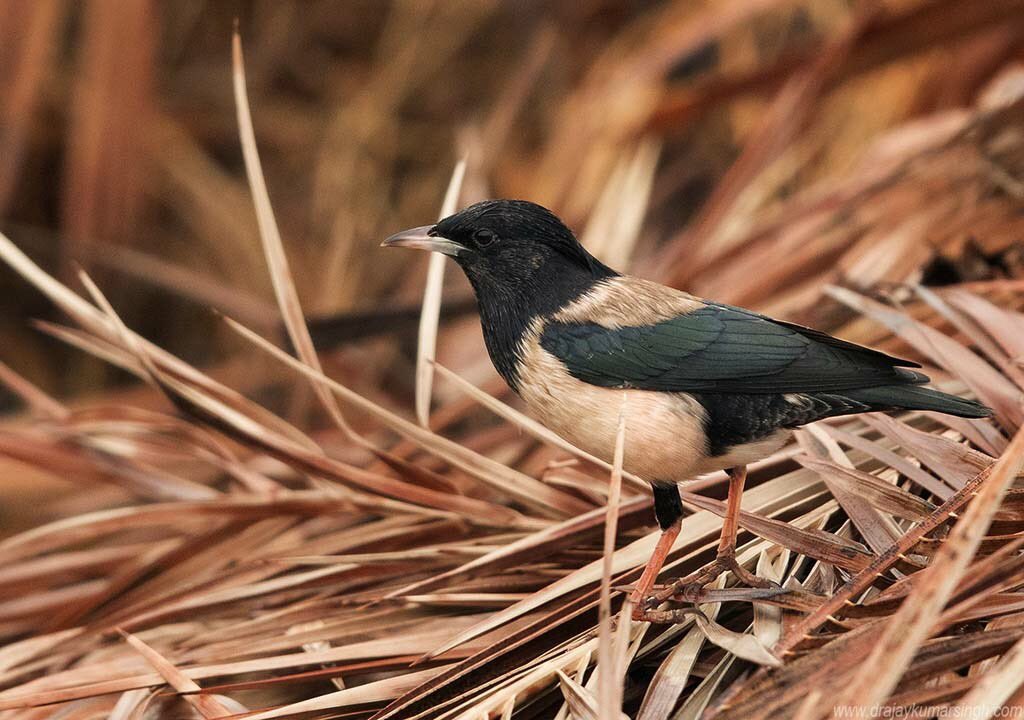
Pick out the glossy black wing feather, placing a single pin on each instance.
(719, 348)
(827, 339)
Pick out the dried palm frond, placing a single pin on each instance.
(212, 545)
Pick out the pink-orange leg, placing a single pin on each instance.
(693, 588)
(643, 586)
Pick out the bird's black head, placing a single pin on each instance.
(522, 262)
(509, 249)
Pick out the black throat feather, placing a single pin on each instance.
(508, 310)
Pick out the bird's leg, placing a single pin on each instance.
(726, 557)
(693, 588)
(653, 567)
(669, 511)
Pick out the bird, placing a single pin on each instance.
(708, 386)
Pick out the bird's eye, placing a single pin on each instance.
(484, 237)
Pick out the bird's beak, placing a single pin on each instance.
(420, 239)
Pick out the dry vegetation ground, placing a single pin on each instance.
(247, 534)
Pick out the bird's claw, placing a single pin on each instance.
(694, 589)
(704, 594)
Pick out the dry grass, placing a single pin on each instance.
(221, 552)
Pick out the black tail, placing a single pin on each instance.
(915, 397)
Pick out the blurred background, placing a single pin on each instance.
(758, 152)
(749, 150)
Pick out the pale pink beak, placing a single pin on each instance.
(419, 239)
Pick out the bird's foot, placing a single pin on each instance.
(696, 589)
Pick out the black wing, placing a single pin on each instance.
(720, 348)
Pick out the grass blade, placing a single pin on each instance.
(430, 314)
